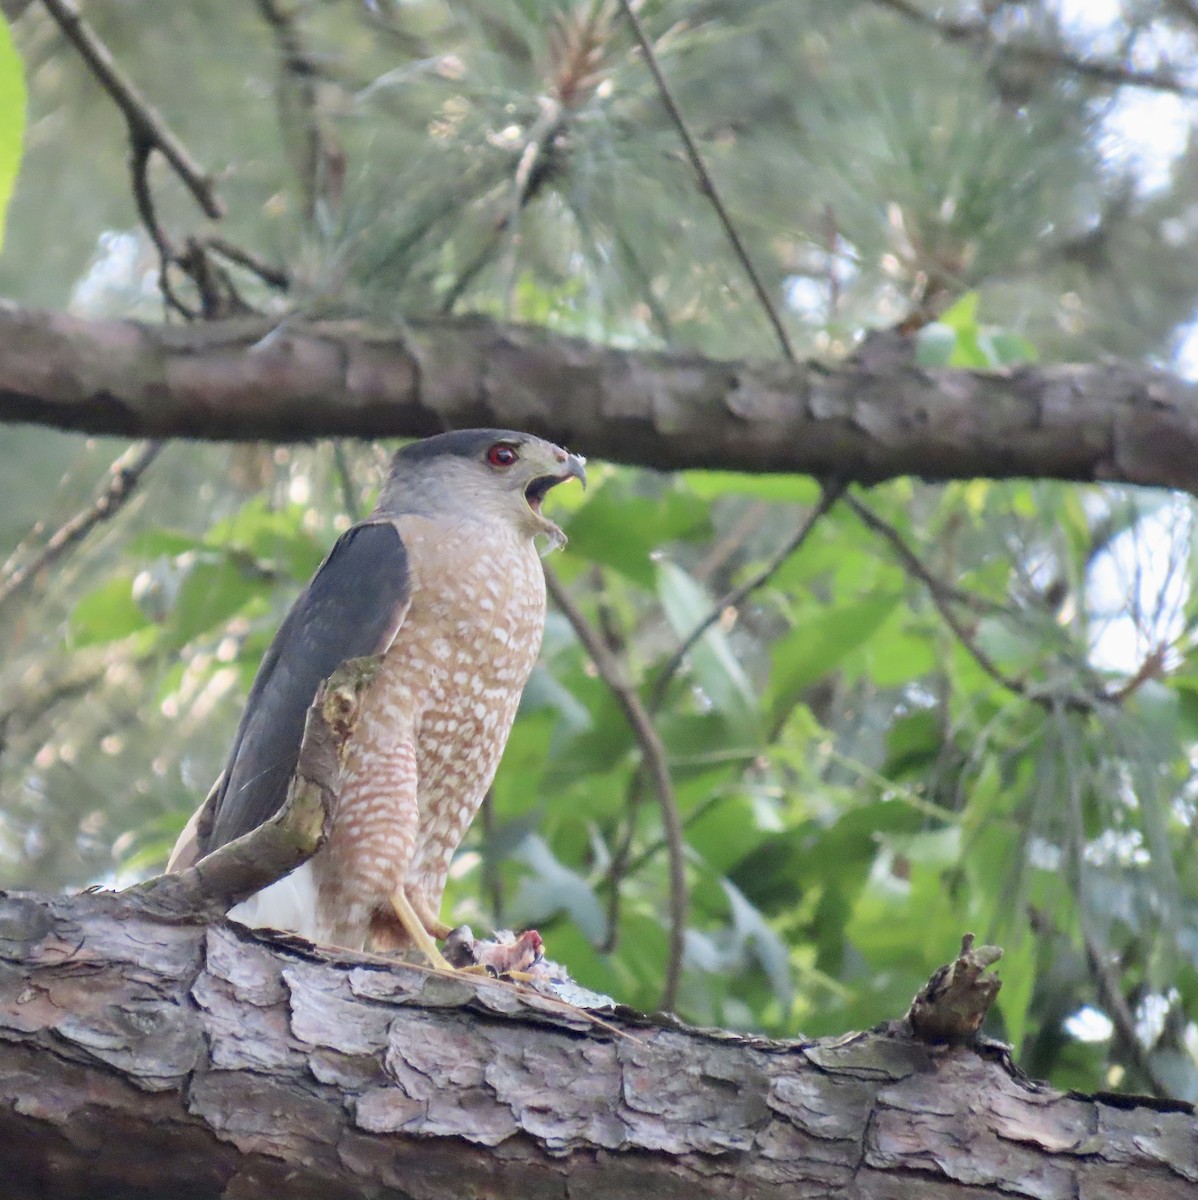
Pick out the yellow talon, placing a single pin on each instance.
(417, 932)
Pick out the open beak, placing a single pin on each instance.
(573, 466)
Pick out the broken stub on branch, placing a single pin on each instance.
(212, 885)
(952, 1005)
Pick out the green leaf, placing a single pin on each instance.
(962, 317)
(703, 744)
(552, 888)
(716, 667)
(725, 833)
(768, 947)
(12, 118)
(913, 743)
(211, 594)
(934, 345)
(523, 763)
(969, 349)
(785, 489)
(817, 644)
(1011, 349)
(270, 535)
(969, 353)
(107, 614)
(156, 543)
(957, 340)
(901, 657)
(623, 530)
(1018, 971)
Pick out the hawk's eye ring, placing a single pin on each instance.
(501, 455)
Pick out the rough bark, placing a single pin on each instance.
(141, 1057)
(868, 419)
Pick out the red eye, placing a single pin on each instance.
(501, 455)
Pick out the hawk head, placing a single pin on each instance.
(483, 474)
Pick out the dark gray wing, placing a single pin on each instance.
(352, 607)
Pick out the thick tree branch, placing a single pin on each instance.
(246, 379)
(144, 1058)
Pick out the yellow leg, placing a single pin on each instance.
(416, 930)
(427, 917)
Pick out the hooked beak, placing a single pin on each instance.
(572, 466)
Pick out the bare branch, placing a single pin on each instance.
(319, 159)
(909, 558)
(1102, 71)
(913, 564)
(244, 379)
(143, 201)
(149, 132)
(545, 129)
(654, 754)
(123, 478)
(272, 276)
(146, 124)
(943, 597)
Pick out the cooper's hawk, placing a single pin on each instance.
(445, 581)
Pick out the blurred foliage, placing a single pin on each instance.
(859, 782)
(12, 117)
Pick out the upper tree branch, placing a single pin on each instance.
(246, 379)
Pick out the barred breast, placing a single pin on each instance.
(435, 723)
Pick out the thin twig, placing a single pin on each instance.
(914, 566)
(319, 161)
(143, 200)
(272, 276)
(534, 169)
(123, 477)
(146, 124)
(943, 597)
(620, 865)
(1106, 983)
(910, 559)
(574, 76)
(296, 75)
(1111, 997)
(706, 183)
(537, 145)
(736, 597)
(1104, 71)
(653, 752)
(628, 696)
